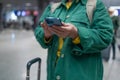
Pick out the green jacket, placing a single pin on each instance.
(82, 61)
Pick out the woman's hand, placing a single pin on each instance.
(47, 32)
(67, 30)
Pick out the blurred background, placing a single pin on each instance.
(18, 19)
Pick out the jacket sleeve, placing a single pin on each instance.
(39, 32)
(98, 36)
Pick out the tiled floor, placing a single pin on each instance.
(17, 47)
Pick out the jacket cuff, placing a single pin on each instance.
(47, 40)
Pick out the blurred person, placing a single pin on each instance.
(74, 49)
(34, 22)
(115, 20)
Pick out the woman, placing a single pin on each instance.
(74, 49)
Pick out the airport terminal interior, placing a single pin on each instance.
(18, 20)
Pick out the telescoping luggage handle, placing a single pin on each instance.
(29, 64)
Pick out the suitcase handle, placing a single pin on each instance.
(29, 64)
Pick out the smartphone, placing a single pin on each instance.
(51, 21)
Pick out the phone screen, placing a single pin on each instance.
(53, 21)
